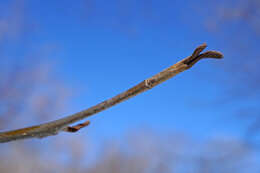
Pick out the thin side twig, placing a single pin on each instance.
(76, 127)
(54, 127)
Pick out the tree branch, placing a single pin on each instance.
(54, 127)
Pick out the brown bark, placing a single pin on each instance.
(54, 127)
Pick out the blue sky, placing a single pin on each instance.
(101, 49)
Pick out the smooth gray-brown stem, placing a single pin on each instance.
(54, 127)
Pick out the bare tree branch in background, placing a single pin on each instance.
(140, 151)
(54, 127)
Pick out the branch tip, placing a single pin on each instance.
(196, 56)
(212, 54)
(198, 50)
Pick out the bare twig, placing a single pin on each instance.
(76, 127)
(54, 127)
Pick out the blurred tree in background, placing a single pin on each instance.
(31, 92)
(235, 24)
